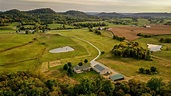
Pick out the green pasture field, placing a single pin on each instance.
(142, 22)
(10, 40)
(39, 49)
(55, 26)
(52, 41)
(166, 49)
(36, 52)
(129, 67)
(103, 42)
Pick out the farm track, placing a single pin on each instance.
(99, 52)
(5, 64)
(160, 58)
(17, 46)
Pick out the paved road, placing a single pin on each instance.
(99, 52)
(93, 61)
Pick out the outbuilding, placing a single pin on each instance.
(80, 69)
(116, 77)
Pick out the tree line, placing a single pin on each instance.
(131, 49)
(28, 84)
(41, 16)
(152, 70)
(166, 40)
(90, 25)
(118, 38)
(144, 35)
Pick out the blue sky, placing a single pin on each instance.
(90, 5)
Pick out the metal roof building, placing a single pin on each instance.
(116, 77)
(100, 68)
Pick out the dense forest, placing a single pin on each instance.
(28, 84)
(44, 16)
(131, 49)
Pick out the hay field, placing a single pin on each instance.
(130, 33)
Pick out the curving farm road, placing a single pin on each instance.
(91, 45)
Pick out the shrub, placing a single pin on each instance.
(69, 64)
(65, 67)
(80, 64)
(153, 69)
(119, 38)
(102, 52)
(85, 61)
(142, 70)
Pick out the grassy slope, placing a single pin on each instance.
(103, 42)
(10, 40)
(31, 54)
(129, 67)
(126, 66)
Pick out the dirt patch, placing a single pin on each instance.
(60, 76)
(130, 33)
(54, 63)
(44, 67)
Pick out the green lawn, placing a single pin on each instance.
(10, 40)
(129, 67)
(166, 49)
(102, 42)
(53, 41)
(34, 52)
(142, 22)
(12, 60)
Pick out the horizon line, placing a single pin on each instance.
(82, 11)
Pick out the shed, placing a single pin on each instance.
(101, 69)
(80, 69)
(116, 77)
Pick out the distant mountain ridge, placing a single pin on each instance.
(42, 10)
(156, 15)
(110, 15)
(12, 11)
(75, 13)
(80, 14)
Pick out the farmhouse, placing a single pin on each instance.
(80, 69)
(100, 68)
(116, 77)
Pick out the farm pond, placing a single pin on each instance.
(62, 49)
(153, 47)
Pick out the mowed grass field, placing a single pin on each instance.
(129, 67)
(130, 33)
(166, 47)
(104, 42)
(32, 55)
(16, 53)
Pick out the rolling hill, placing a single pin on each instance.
(110, 15)
(155, 15)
